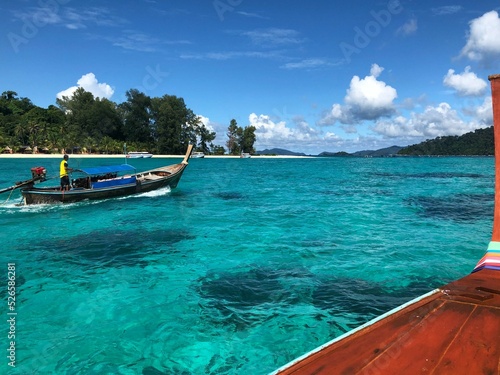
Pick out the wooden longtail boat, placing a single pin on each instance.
(102, 183)
(452, 330)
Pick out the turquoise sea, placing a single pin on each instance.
(248, 264)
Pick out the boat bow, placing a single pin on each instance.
(454, 329)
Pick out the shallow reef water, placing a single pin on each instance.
(246, 265)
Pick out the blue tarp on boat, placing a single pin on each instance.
(108, 169)
(114, 182)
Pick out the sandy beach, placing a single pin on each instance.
(82, 156)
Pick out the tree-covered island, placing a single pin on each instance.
(83, 123)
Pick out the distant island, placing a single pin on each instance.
(477, 143)
(480, 142)
(279, 151)
(383, 152)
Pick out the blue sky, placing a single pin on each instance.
(312, 76)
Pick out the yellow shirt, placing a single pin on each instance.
(62, 168)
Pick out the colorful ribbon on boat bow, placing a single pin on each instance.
(490, 260)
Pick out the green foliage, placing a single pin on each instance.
(136, 117)
(174, 124)
(233, 138)
(87, 116)
(248, 139)
(479, 142)
(85, 123)
(218, 150)
(206, 137)
(240, 139)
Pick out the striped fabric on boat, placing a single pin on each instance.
(490, 260)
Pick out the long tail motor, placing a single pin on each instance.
(38, 174)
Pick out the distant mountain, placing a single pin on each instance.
(478, 142)
(335, 154)
(378, 153)
(279, 151)
(366, 153)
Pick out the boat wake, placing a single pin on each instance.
(150, 194)
(19, 206)
(11, 206)
(155, 193)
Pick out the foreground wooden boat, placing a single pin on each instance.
(454, 329)
(451, 330)
(102, 183)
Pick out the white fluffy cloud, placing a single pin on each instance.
(277, 134)
(219, 129)
(206, 122)
(466, 83)
(90, 84)
(366, 99)
(433, 122)
(269, 131)
(483, 41)
(482, 113)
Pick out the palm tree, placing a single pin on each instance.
(20, 131)
(106, 144)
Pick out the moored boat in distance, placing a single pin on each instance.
(102, 183)
(245, 155)
(139, 155)
(453, 329)
(197, 155)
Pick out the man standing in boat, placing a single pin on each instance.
(63, 173)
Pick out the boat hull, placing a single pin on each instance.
(146, 181)
(451, 330)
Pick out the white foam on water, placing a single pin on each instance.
(18, 206)
(11, 206)
(152, 194)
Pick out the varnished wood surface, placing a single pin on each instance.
(455, 331)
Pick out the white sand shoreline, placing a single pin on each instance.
(84, 156)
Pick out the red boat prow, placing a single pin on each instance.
(452, 330)
(495, 99)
